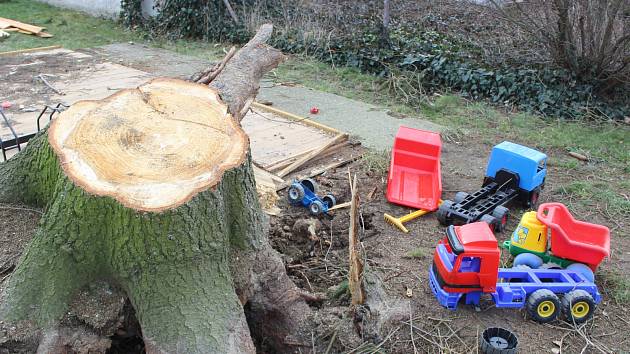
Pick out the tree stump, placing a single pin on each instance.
(152, 190)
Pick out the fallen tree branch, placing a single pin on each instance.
(240, 79)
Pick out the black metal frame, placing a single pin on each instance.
(17, 140)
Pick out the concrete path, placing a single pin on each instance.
(369, 123)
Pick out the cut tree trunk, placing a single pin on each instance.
(152, 190)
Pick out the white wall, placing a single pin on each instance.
(101, 8)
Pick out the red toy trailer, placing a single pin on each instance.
(574, 239)
(415, 178)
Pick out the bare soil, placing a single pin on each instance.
(319, 264)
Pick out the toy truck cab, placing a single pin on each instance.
(467, 261)
(523, 167)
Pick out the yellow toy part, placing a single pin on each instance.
(531, 234)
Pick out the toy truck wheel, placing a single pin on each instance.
(295, 194)
(498, 341)
(527, 259)
(310, 184)
(583, 269)
(578, 306)
(460, 196)
(329, 200)
(501, 214)
(543, 306)
(443, 211)
(550, 265)
(316, 207)
(490, 220)
(532, 199)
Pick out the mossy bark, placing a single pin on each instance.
(174, 265)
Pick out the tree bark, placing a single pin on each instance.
(188, 260)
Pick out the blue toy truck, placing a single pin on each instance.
(304, 193)
(515, 173)
(466, 265)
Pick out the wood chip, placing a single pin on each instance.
(578, 156)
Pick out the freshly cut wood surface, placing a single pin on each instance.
(151, 148)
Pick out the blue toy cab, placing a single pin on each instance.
(515, 173)
(528, 164)
(304, 193)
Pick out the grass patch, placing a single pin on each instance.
(75, 30)
(376, 161)
(71, 29)
(588, 192)
(602, 142)
(618, 285)
(342, 289)
(419, 253)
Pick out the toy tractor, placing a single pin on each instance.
(304, 192)
(552, 238)
(515, 173)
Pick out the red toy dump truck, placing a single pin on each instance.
(414, 177)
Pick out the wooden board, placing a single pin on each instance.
(273, 137)
(21, 25)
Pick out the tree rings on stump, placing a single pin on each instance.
(151, 148)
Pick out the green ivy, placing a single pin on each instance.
(438, 60)
(131, 14)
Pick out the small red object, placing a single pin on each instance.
(573, 239)
(6, 104)
(415, 178)
(314, 110)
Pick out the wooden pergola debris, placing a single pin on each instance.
(12, 25)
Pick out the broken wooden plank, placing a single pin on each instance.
(355, 273)
(261, 172)
(28, 50)
(282, 163)
(22, 25)
(301, 161)
(320, 170)
(340, 206)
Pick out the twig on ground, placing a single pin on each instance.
(413, 342)
(41, 77)
(21, 208)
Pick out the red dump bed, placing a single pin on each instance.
(414, 176)
(573, 239)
